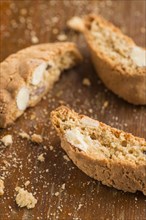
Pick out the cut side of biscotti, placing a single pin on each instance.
(29, 74)
(119, 62)
(109, 155)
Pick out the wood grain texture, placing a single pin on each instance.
(22, 24)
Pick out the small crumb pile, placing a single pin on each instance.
(1, 187)
(7, 140)
(25, 199)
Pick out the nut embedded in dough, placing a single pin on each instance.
(139, 56)
(22, 98)
(38, 73)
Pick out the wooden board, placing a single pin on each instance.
(62, 190)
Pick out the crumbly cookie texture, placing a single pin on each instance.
(25, 199)
(29, 74)
(119, 62)
(112, 156)
(1, 187)
(7, 140)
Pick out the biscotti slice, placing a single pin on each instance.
(29, 74)
(119, 62)
(115, 158)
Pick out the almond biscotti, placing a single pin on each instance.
(119, 62)
(115, 158)
(29, 74)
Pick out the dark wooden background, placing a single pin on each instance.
(25, 22)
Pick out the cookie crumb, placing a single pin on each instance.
(56, 194)
(26, 183)
(41, 158)
(63, 186)
(7, 140)
(62, 37)
(51, 148)
(1, 187)
(36, 138)
(105, 105)
(25, 199)
(86, 82)
(90, 110)
(79, 207)
(66, 157)
(24, 135)
(76, 23)
(34, 39)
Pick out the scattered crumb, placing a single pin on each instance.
(51, 148)
(56, 194)
(86, 82)
(62, 37)
(80, 205)
(24, 135)
(66, 158)
(76, 23)
(45, 147)
(90, 110)
(63, 186)
(25, 199)
(27, 183)
(41, 158)
(1, 187)
(6, 163)
(105, 105)
(33, 116)
(36, 138)
(7, 140)
(34, 40)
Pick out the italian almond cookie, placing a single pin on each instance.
(29, 74)
(119, 62)
(109, 155)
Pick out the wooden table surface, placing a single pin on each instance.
(62, 190)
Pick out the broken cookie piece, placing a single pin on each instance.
(109, 155)
(25, 199)
(119, 62)
(29, 74)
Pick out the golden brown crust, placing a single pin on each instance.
(122, 174)
(16, 73)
